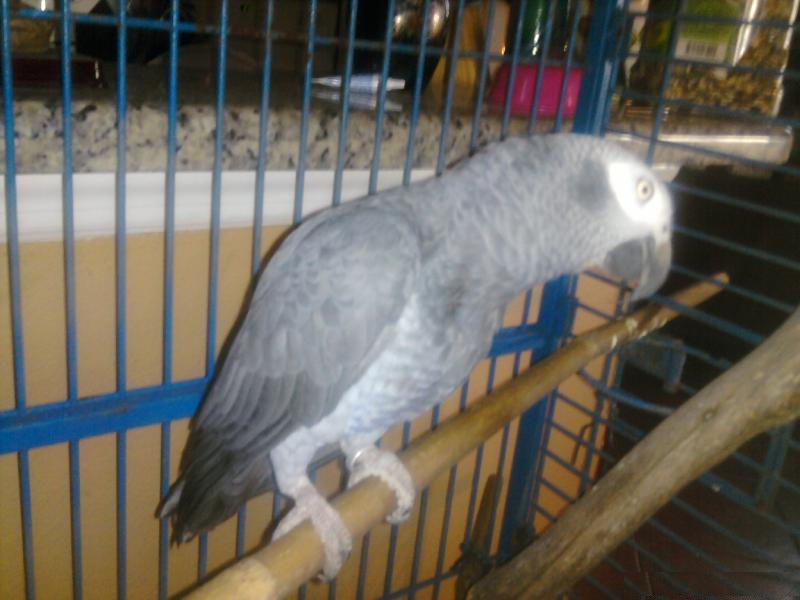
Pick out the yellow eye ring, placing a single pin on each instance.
(644, 190)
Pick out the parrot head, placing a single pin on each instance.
(605, 203)
(596, 204)
(644, 211)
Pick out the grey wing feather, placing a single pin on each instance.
(322, 310)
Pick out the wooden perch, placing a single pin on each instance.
(760, 392)
(276, 570)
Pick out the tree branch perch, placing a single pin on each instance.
(760, 392)
(276, 570)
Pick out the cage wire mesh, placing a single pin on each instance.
(111, 330)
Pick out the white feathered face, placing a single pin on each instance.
(643, 198)
(645, 201)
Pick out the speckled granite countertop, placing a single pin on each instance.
(39, 133)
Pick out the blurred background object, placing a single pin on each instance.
(29, 36)
(407, 28)
(35, 45)
(143, 44)
(479, 27)
(735, 60)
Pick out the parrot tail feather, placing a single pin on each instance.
(209, 492)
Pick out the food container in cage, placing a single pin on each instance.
(555, 93)
(728, 53)
(524, 93)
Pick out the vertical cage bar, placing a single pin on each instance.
(363, 560)
(556, 314)
(23, 465)
(68, 225)
(263, 127)
(363, 563)
(423, 514)
(501, 460)
(565, 319)
(202, 555)
(163, 525)
(75, 519)
(567, 67)
(768, 483)
(387, 53)
(537, 93)
(476, 472)
(120, 246)
(662, 92)
(476, 116)
(512, 75)
(277, 503)
(302, 591)
(241, 530)
(600, 71)
(501, 463)
(387, 581)
(122, 82)
(412, 123)
(122, 583)
(12, 235)
(169, 282)
(169, 192)
(345, 105)
(307, 77)
(332, 590)
(601, 399)
(258, 206)
(451, 84)
(448, 506)
(617, 57)
(216, 199)
(15, 293)
(67, 199)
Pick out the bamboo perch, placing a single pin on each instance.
(276, 570)
(760, 392)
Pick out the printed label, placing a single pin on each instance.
(688, 48)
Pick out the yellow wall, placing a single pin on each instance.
(43, 314)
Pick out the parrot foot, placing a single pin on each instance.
(337, 542)
(388, 468)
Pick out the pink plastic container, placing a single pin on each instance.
(525, 86)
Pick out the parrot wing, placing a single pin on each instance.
(321, 312)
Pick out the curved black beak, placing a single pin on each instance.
(643, 260)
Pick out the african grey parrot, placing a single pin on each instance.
(372, 312)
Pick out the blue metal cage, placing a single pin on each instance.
(736, 530)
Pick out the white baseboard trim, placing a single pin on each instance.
(39, 200)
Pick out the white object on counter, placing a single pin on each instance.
(363, 84)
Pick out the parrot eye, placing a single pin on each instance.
(644, 190)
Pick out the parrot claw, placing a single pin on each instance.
(337, 542)
(388, 468)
